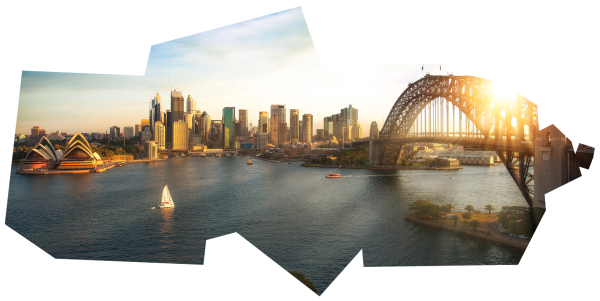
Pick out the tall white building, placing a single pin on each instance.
(159, 135)
(191, 105)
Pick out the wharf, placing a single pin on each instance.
(383, 167)
(482, 233)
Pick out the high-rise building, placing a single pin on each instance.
(294, 125)
(35, 133)
(301, 135)
(237, 129)
(146, 134)
(228, 130)
(216, 133)
(42, 133)
(263, 139)
(155, 111)
(138, 130)
(189, 119)
(128, 131)
(191, 105)
(180, 135)
(328, 131)
(203, 127)
(278, 110)
(115, 131)
(177, 111)
(358, 131)
(275, 129)
(282, 133)
(374, 131)
(307, 130)
(159, 135)
(169, 130)
(243, 114)
(319, 135)
(263, 122)
(145, 123)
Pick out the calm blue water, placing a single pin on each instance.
(296, 216)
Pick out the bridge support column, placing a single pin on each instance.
(373, 154)
(551, 163)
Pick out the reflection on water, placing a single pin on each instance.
(299, 218)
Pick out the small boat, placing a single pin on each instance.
(182, 154)
(152, 207)
(333, 175)
(217, 155)
(202, 155)
(451, 177)
(249, 162)
(166, 201)
(177, 157)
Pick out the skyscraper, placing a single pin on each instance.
(301, 135)
(282, 133)
(155, 111)
(307, 128)
(191, 105)
(115, 131)
(176, 114)
(138, 130)
(228, 130)
(159, 135)
(280, 111)
(243, 114)
(294, 125)
(216, 133)
(35, 133)
(275, 129)
(263, 122)
(169, 130)
(180, 135)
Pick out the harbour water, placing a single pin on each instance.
(293, 214)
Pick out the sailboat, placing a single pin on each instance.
(166, 201)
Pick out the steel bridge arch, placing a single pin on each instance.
(491, 112)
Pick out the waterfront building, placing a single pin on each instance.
(150, 150)
(127, 131)
(159, 135)
(282, 139)
(42, 156)
(228, 130)
(243, 115)
(78, 155)
(469, 159)
(276, 110)
(374, 131)
(216, 133)
(180, 135)
(35, 133)
(307, 128)
(294, 125)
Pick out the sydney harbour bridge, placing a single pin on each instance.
(473, 112)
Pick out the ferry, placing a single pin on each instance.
(333, 175)
(217, 155)
(249, 162)
(202, 155)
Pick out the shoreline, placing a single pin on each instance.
(384, 167)
(492, 237)
(101, 168)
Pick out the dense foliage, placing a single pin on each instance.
(358, 156)
(521, 219)
(426, 209)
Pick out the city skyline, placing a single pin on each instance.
(249, 65)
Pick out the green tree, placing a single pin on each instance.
(455, 218)
(435, 212)
(469, 208)
(489, 208)
(474, 224)
(305, 281)
(466, 216)
(447, 208)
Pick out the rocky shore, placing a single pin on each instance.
(484, 228)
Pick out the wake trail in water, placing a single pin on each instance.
(365, 176)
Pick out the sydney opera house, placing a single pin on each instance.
(76, 157)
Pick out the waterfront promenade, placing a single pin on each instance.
(484, 232)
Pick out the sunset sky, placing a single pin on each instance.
(248, 65)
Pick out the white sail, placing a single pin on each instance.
(166, 196)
